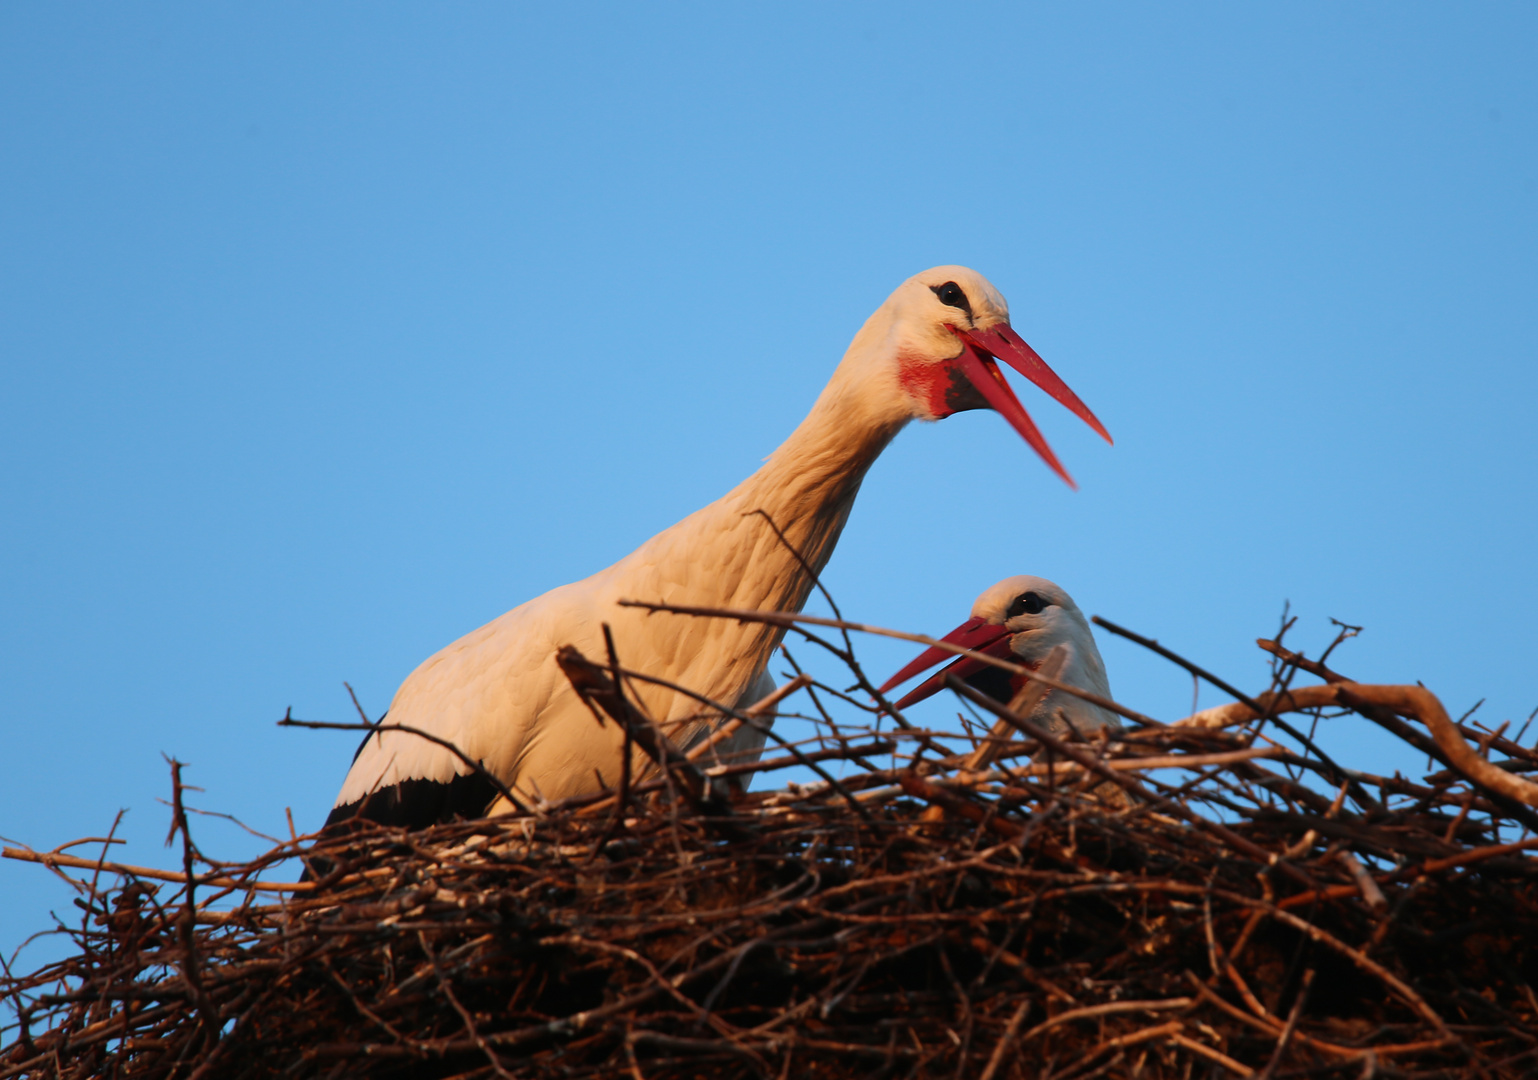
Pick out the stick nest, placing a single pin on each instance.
(1067, 909)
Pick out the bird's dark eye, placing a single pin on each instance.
(950, 295)
(1027, 603)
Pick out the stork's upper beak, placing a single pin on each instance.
(977, 634)
(980, 350)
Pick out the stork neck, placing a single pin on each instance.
(807, 488)
(762, 544)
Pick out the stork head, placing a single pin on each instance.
(1020, 619)
(944, 332)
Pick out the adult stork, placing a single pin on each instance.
(1022, 619)
(497, 694)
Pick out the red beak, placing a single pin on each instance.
(977, 634)
(981, 348)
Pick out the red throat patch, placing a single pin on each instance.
(918, 379)
(942, 386)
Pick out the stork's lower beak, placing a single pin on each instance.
(980, 350)
(976, 633)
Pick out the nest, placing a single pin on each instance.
(1214, 897)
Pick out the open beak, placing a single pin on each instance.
(982, 348)
(977, 634)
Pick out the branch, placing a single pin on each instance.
(789, 620)
(593, 684)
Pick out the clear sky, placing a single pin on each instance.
(330, 332)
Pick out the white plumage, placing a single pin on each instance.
(497, 693)
(1022, 618)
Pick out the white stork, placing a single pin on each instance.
(499, 697)
(1021, 619)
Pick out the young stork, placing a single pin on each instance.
(498, 696)
(1022, 619)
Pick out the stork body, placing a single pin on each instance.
(497, 693)
(1022, 619)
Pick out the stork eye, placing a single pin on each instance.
(1027, 603)
(951, 295)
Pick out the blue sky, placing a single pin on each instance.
(328, 333)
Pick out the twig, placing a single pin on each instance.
(593, 684)
(1292, 1026)
(187, 924)
(756, 711)
(780, 618)
(219, 881)
(1006, 1040)
(726, 710)
(1335, 772)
